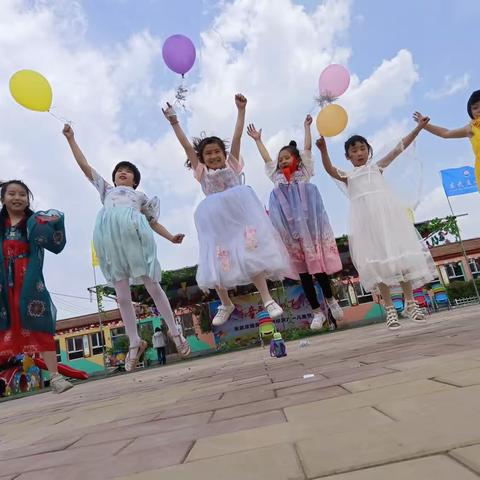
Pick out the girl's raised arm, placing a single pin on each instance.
(442, 132)
(327, 163)
(171, 116)
(241, 103)
(77, 153)
(307, 144)
(406, 142)
(257, 136)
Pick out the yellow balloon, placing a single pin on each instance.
(31, 90)
(331, 120)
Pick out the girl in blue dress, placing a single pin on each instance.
(125, 246)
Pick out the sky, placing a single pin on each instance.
(103, 59)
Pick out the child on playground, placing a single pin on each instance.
(471, 131)
(238, 244)
(126, 249)
(27, 313)
(297, 212)
(384, 245)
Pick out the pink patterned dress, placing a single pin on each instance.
(297, 212)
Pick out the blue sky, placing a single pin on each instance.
(378, 30)
(103, 59)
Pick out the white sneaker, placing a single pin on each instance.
(319, 319)
(274, 309)
(223, 314)
(336, 309)
(60, 384)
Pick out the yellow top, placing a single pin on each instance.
(475, 139)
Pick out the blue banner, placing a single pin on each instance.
(459, 181)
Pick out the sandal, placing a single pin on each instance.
(132, 363)
(183, 348)
(392, 318)
(414, 313)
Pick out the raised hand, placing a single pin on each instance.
(421, 120)
(240, 101)
(68, 131)
(308, 120)
(321, 144)
(170, 114)
(254, 133)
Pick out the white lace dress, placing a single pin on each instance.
(384, 245)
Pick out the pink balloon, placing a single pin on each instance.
(179, 53)
(333, 81)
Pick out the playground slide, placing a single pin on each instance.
(63, 369)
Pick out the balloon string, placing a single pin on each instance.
(181, 95)
(59, 118)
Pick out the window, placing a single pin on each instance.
(57, 350)
(342, 296)
(117, 332)
(362, 295)
(75, 347)
(474, 264)
(97, 343)
(186, 321)
(455, 271)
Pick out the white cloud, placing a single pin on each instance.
(378, 95)
(273, 51)
(450, 87)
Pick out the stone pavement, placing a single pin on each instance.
(379, 405)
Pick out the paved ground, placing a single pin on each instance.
(380, 405)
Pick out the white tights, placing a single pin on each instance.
(125, 305)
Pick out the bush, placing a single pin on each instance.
(459, 289)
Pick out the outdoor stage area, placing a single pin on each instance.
(357, 404)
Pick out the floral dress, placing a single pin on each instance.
(17, 339)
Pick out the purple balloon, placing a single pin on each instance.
(334, 81)
(179, 53)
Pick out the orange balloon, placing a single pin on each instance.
(331, 120)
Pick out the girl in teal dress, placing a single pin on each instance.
(125, 246)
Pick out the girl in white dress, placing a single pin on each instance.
(384, 245)
(126, 249)
(237, 242)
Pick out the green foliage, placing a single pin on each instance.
(447, 224)
(297, 333)
(145, 334)
(459, 289)
(202, 312)
(174, 278)
(121, 344)
(342, 242)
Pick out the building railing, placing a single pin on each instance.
(461, 302)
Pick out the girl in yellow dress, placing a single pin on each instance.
(471, 131)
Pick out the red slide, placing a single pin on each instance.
(63, 369)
